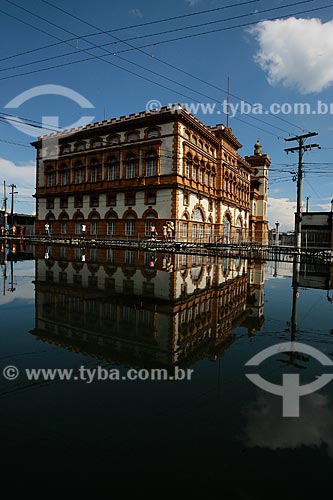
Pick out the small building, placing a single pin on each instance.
(317, 229)
(24, 223)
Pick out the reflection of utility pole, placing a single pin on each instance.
(12, 204)
(296, 270)
(301, 148)
(5, 203)
(11, 283)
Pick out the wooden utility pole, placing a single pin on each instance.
(301, 148)
(12, 204)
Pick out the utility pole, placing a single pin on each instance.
(301, 148)
(12, 204)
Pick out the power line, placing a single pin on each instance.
(141, 76)
(139, 25)
(145, 69)
(179, 69)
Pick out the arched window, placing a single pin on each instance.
(150, 219)
(112, 169)
(130, 225)
(130, 166)
(114, 140)
(97, 143)
(151, 163)
(94, 171)
(197, 215)
(152, 133)
(50, 220)
(226, 229)
(78, 223)
(111, 225)
(133, 136)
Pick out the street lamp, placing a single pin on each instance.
(277, 233)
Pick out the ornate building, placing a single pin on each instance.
(118, 176)
(144, 310)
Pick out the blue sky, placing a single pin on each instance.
(283, 61)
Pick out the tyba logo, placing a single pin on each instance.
(291, 390)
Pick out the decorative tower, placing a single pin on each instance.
(258, 224)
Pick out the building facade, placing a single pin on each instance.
(114, 305)
(119, 176)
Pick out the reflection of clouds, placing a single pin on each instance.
(266, 428)
(24, 274)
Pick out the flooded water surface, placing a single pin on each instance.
(136, 364)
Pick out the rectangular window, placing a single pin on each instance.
(185, 199)
(63, 178)
(112, 200)
(94, 174)
(129, 257)
(63, 253)
(200, 175)
(78, 201)
(112, 172)
(185, 229)
(64, 202)
(93, 254)
(207, 179)
(150, 198)
(151, 167)
(194, 231)
(63, 227)
(94, 227)
(49, 203)
(201, 230)
(187, 170)
(50, 179)
(94, 200)
(130, 170)
(130, 199)
(129, 228)
(110, 255)
(111, 228)
(78, 229)
(78, 176)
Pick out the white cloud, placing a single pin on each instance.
(192, 3)
(296, 53)
(24, 177)
(281, 210)
(135, 13)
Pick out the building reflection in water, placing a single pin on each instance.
(144, 309)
